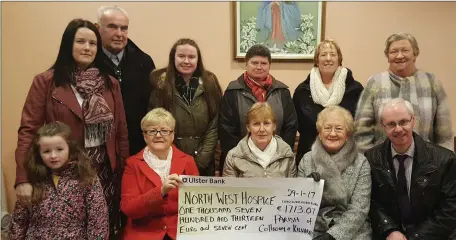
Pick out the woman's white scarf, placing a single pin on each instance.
(161, 167)
(328, 97)
(263, 157)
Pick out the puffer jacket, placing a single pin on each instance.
(240, 162)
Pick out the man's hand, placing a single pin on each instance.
(171, 182)
(24, 193)
(396, 235)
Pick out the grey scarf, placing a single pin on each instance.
(335, 197)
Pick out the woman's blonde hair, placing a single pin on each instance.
(340, 112)
(158, 116)
(331, 43)
(260, 110)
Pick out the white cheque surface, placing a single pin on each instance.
(248, 208)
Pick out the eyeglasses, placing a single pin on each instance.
(337, 129)
(401, 123)
(154, 132)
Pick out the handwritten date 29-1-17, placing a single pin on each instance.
(295, 193)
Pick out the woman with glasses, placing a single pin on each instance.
(192, 94)
(151, 179)
(328, 84)
(261, 153)
(78, 91)
(403, 80)
(345, 203)
(256, 84)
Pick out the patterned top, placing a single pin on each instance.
(422, 90)
(67, 212)
(187, 92)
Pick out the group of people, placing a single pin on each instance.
(104, 137)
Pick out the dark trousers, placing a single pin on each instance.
(167, 237)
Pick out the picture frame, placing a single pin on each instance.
(262, 22)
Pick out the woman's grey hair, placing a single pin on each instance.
(402, 36)
(341, 112)
(103, 9)
(158, 116)
(395, 101)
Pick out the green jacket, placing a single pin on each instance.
(195, 133)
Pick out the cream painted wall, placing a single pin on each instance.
(31, 34)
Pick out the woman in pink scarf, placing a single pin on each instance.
(77, 91)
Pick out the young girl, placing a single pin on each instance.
(67, 199)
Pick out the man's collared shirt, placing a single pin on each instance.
(115, 58)
(408, 163)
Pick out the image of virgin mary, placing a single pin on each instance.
(278, 22)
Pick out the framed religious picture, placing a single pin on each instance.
(290, 29)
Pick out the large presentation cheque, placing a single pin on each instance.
(247, 208)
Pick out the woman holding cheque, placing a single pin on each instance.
(151, 178)
(334, 157)
(260, 153)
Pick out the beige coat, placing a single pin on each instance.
(240, 162)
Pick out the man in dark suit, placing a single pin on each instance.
(130, 66)
(413, 181)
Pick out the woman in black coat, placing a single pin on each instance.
(329, 83)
